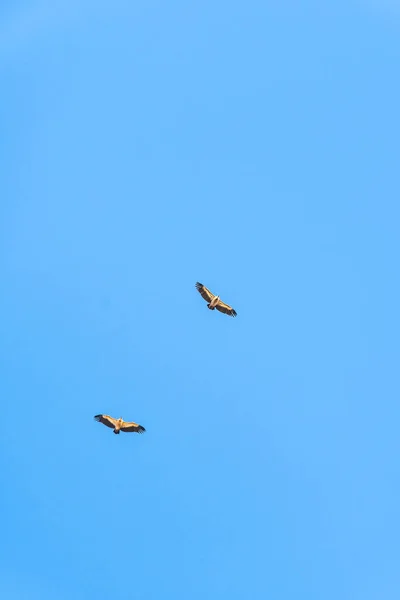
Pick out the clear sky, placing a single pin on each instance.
(251, 146)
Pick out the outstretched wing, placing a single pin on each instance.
(207, 295)
(132, 427)
(106, 420)
(226, 309)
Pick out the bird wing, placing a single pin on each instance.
(207, 295)
(226, 309)
(106, 420)
(131, 426)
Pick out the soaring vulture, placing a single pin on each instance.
(119, 424)
(214, 301)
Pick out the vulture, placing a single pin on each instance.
(119, 424)
(214, 301)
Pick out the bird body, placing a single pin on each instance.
(119, 424)
(211, 305)
(215, 302)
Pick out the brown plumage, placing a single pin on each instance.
(215, 301)
(119, 424)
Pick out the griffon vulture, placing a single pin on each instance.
(214, 301)
(119, 424)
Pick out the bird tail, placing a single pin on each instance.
(210, 307)
(116, 431)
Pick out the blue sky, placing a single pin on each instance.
(253, 147)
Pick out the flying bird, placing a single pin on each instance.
(119, 424)
(214, 301)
